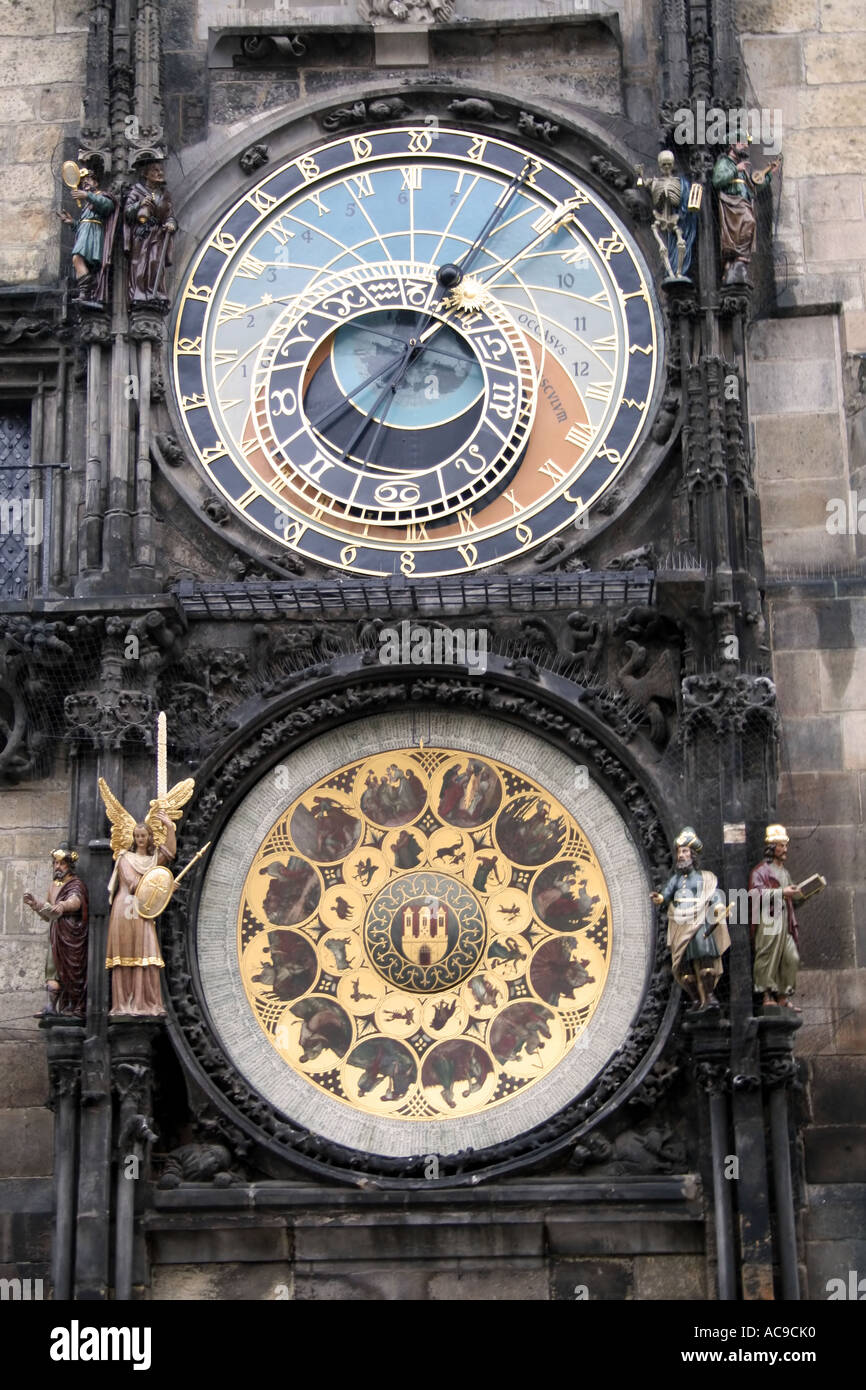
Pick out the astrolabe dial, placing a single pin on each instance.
(415, 352)
(425, 439)
(424, 933)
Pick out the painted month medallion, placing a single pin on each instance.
(424, 933)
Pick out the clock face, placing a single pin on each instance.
(415, 351)
(412, 949)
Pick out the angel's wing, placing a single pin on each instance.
(122, 823)
(171, 803)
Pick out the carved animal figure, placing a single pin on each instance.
(476, 109)
(652, 686)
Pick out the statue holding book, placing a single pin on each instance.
(774, 921)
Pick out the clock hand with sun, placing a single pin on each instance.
(448, 276)
(551, 221)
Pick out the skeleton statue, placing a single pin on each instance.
(674, 222)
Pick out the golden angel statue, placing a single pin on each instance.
(133, 955)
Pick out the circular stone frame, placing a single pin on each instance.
(328, 698)
(240, 1032)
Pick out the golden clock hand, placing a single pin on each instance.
(551, 221)
(495, 217)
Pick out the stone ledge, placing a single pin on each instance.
(640, 1198)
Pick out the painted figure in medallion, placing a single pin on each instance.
(556, 975)
(293, 892)
(697, 923)
(561, 897)
(133, 955)
(65, 909)
(325, 830)
(470, 794)
(461, 1059)
(381, 1059)
(148, 233)
(393, 798)
(774, 921)
(529, 832)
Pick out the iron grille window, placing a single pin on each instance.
(14, 500)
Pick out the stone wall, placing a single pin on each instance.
(42, 52)
(33, 820)
(536, 1241)
(808, 58)
(579, 63)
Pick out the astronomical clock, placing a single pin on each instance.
(410, 352)
(415, 351)
(377, 382)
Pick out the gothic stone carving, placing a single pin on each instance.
(198, 1163)
(253, 157)
(39, 661)
(651, 1148)
(360, 112)
(536, 129)
(726, 704)
(411, 12)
